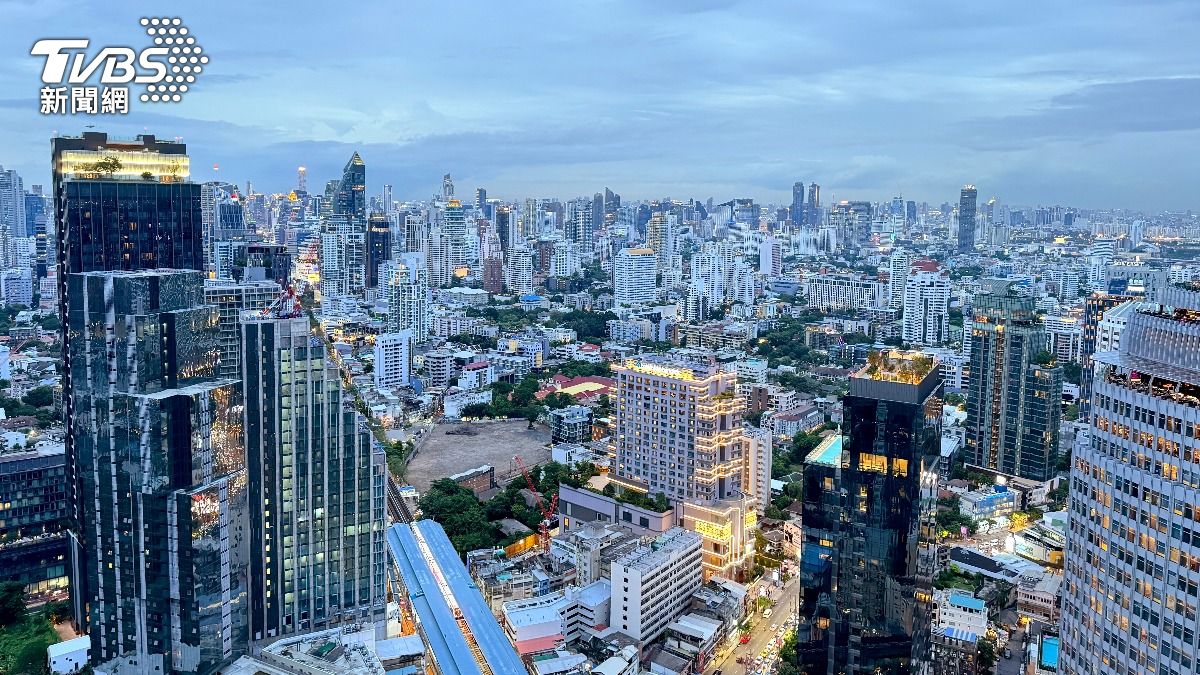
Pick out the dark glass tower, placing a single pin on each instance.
(967, 201)
(1014, 393)
(869, 505)
(796, 215)
(379, 246)
(160, 469)
(351, 196)
(812, 210)
(139, 212)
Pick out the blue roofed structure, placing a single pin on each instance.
(464, 637)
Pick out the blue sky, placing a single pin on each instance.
(1093, 104)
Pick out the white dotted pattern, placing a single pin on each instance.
(185, 58)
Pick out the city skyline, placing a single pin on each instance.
(1044, 118)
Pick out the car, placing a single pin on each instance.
(1008, 653)
(744, 639)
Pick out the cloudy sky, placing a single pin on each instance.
(1093, 104)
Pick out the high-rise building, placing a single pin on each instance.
(378, 245)
(966, 218)
(454, 229)
(343, 256)
(505, 227)
(447, 188)
(413, 237)
(12, 203)
(480, 198)
(39, 225)
(1094, 309)
(118, 205)
(316, 485)
(518, 275)
(232, 299)
(926, 304)
(393, 359)
(796, 213)
(898, 265)
(1133, 549)
(869, 515)
(812, 209)
(678, 428)
(564, 260)
(407, 292)
(351, 196)
(770, 257)
(161, 475)
(1014, 394)
(652, 583)
(660, 236)
(635, 277)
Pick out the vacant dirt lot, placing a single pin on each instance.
(440, 455)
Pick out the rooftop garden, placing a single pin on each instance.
(893, 365)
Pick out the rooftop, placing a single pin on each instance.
(893, 365)
(1049, 657)
(828, 453)
(968, 601)
(441, 591)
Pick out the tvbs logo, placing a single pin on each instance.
(78, 84)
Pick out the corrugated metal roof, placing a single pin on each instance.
(446, 640)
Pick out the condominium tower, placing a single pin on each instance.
(1130, 598)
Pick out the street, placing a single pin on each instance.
(761, 633)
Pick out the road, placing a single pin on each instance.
(761, 634)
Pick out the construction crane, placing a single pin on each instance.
(547, 513)
(285, 306)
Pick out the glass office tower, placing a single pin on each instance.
(160, 468)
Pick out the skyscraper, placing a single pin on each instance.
(118, 205)
(869, 507)
(12, 203)
(812, 209)
(966, 218)
(1014, 394)
(634, 277)
(316, 485)
(378, 245)
(518, 273)
(406, 282)
(660, 236)
(898, 264)
(678, 428)
(232, 299)
(160, 468)
(351, 197)
(505, 227)
(926, 304)
(796, 213)
(454, 229)
(1094, 309)
(1133, 550)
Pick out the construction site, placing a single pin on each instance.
(449, 449)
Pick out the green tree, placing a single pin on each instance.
(12, 602)
(41, 397)
(107, 165)
(1072, 372)
(462, 516)
(987, 654)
